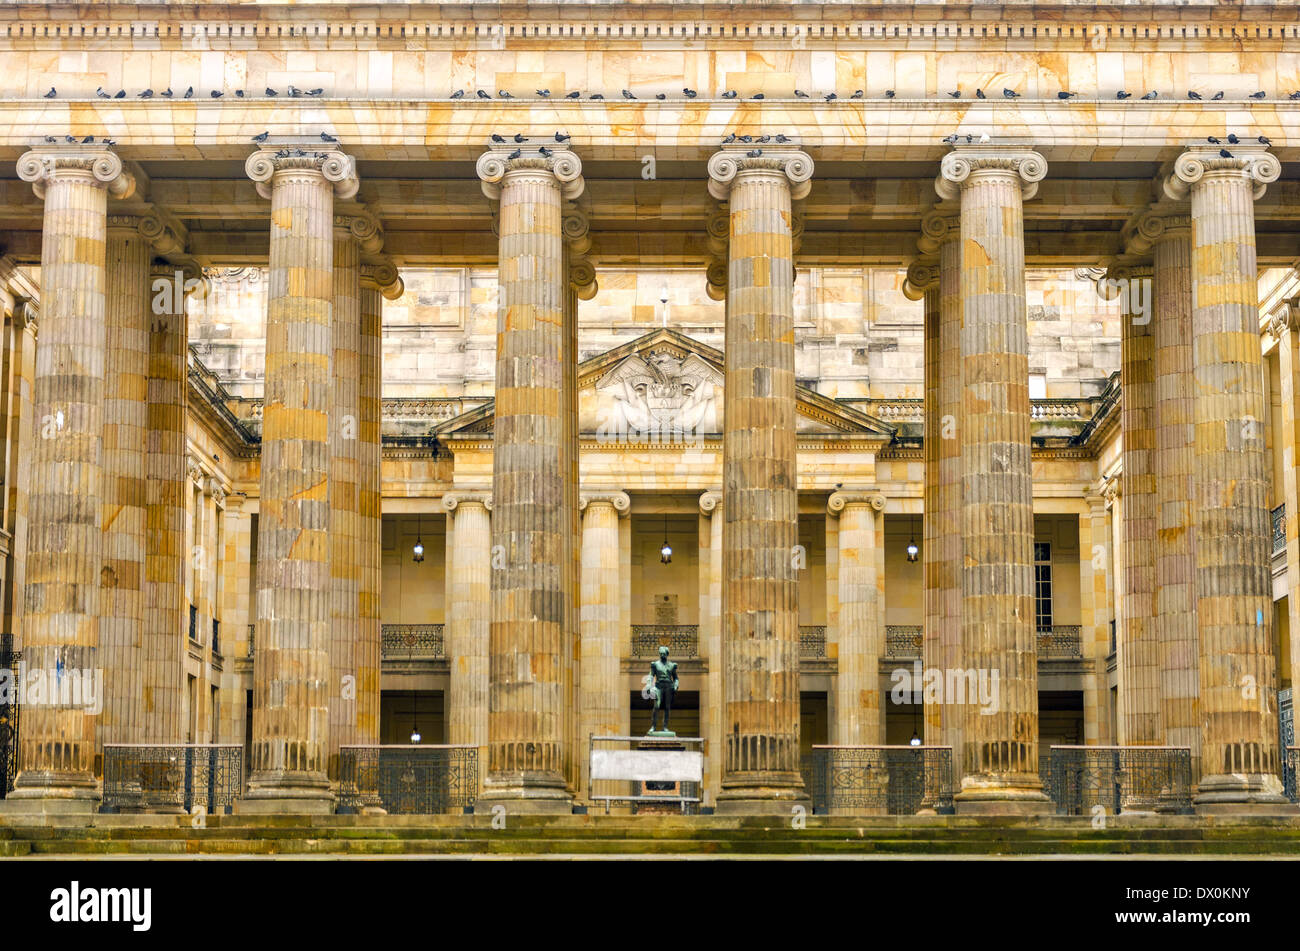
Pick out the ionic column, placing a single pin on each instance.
(469, 618)
(1139, 658)
(352, 235)
(19, 447)
(604, 709)
(64, 554)
(1239, 743)
(292, 662)
(1168, 235)
(167, 551)
(379, 282)
(760, 618)
(533, 522)
(711, 700)
(1000, 771)
(1094, 604)
(858, 713)
(1284, 324)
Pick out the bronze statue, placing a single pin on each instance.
(663, 674)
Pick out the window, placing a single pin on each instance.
(1043, 585)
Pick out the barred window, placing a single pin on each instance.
(1042, 585)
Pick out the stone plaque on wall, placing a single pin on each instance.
(664, 608)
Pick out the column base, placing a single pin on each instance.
(777, 797)
(285, 793)
(1242, 794)
(527, 796)
(981, 797)
(52, 794)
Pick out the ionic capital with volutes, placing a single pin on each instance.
(967, 163)
(332, 164)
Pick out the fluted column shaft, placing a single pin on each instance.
(1175, 559)
(760, 620)
(468, 620)
(530, 647)
(65, 540)
(1139, 654)
(858, 715)
(292, 662)
(1285, 326)
(1000, 761)
(711, 702)
(1239, 743)
(604, 710)
(21, 439)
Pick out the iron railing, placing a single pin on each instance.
(138, 776)
(413, 641)
(1060, 642)
(1119, 779)
(682, 641)
(1279, 529)
(9, 708)
(1290, 770)
(904, 641)
(812, 642)
(408, 780)
(880, 780)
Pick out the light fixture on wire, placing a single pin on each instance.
(415, 720)
(417, 553)
(916, 736)
(913, 552)
(666, 553)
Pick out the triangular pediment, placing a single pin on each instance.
(666, 382)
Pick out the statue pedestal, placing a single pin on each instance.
(671, 790)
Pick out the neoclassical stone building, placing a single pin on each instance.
(430, 395)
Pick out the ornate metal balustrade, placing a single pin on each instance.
(252, 637)
(682, 641)
(1060, 642)
(1290, 771)
(413, 642)
(903, 641)
(880, 780)
(408, 780)
(1279, 529)
(812, 642)
(1119, 779)
(9, 660)
(180, 777)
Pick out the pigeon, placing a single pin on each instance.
(101, 94)
(731, 94)
(661, 96)
(574, 95)
(1212, 140)
(1193, 94)
(1066, 95)
(754, 153)
(326, 137)
(781, 138)
(515, 154)
(52, 93)
(1217, 96)
(147, 94)
(889, 94)
(315, 92)
(189, 93)
(830, 97)
(502, 94)
(271, 93)
(167, 93)
(110, 141)
(1224, 153)
(984, 138)
(1151, 95)
(1264, 140)
(747, 138)
(729, 139)
(544, 93)
(88, 140)
(1123, 95)
(1009, 93)
(628, 95)
(1258, 95)
(261, 137)
(497, 138)
(458, 94)
(561, 137)
(483, 95)
(950, 139)
(217, 94)
(689, 93)
(545, 152)
(956, 94)
(50, 138)
(1294, 95)
(857, 94)
(597, 95)
(800, 94)
(294, 91)
(70, 138)
(239, 94)
(520, 137)
(764, 139)
(979, 94)
(121, 94)
(1232, 137)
